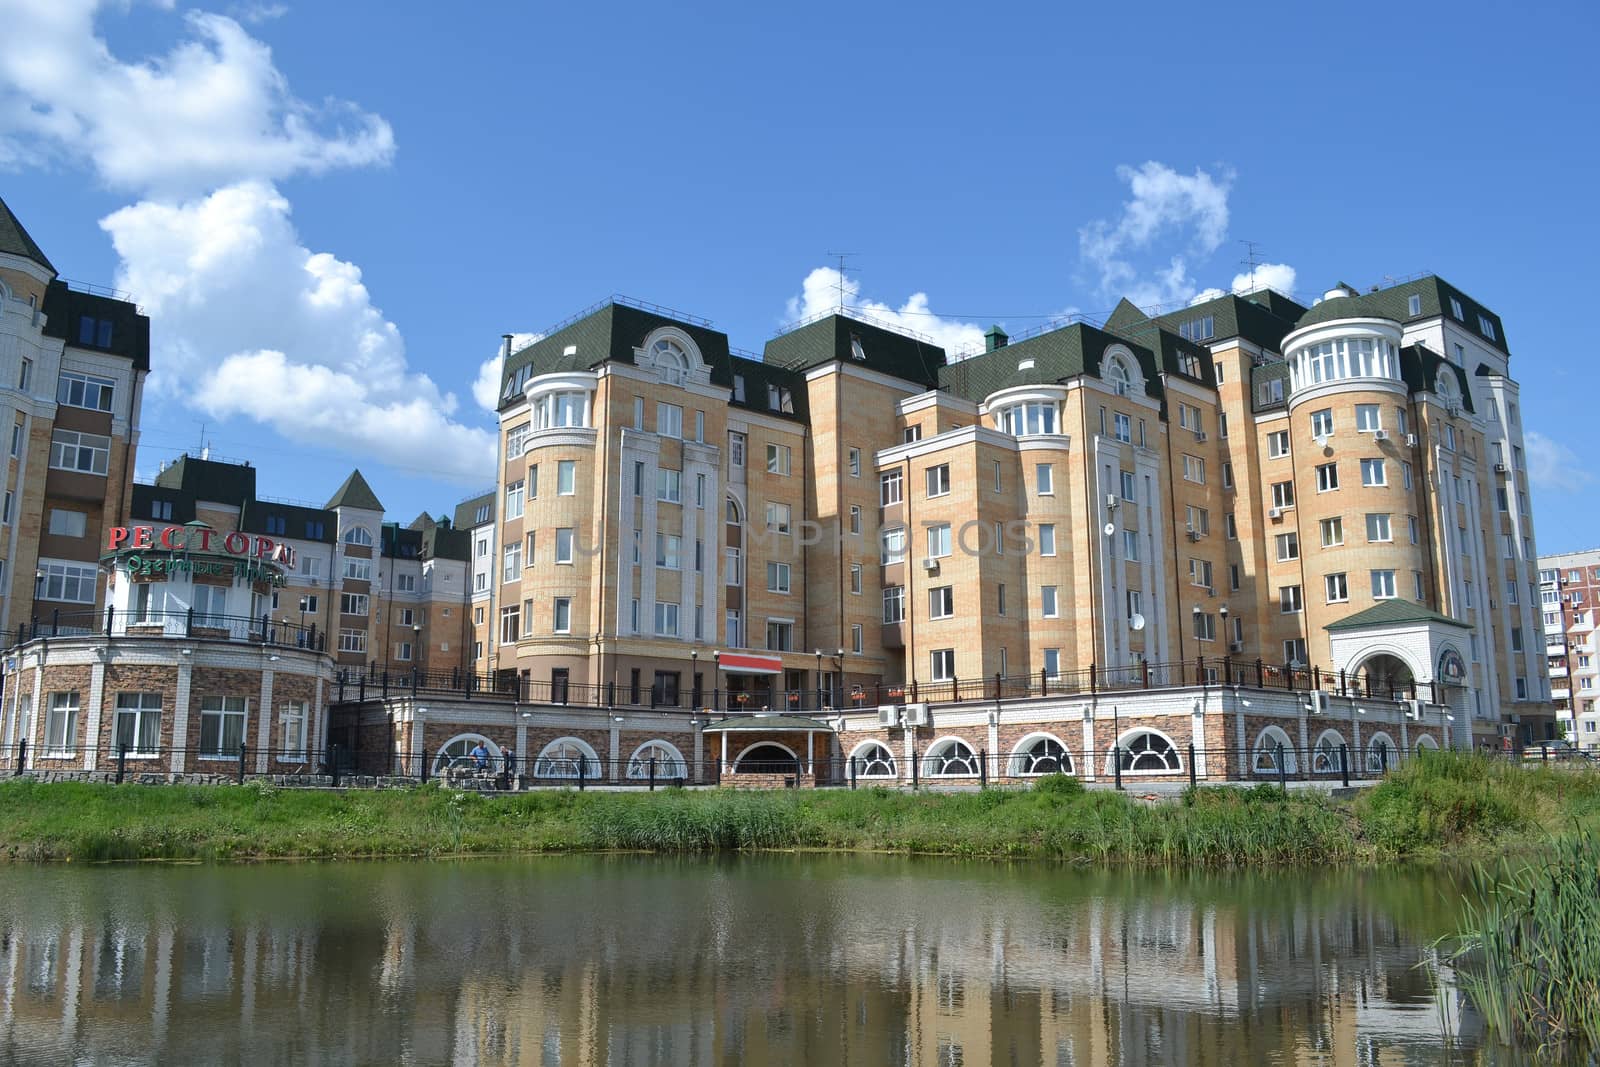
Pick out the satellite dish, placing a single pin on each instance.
(1111, 529)
(1136, 622)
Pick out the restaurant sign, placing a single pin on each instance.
(152, 551)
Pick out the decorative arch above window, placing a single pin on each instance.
(1265, 758)
(358, 535)
(950, 758)
(669, 762)
(563, 758)
(1119, 377)
(872, 759)
(1040, 754)
(671, 360)
(1145, 751)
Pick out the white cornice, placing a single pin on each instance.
(967, 435)
(865, 374)
(935, 399)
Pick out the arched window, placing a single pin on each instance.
(1146, 752)
(950, 758)
(1380, 753)
(768, 757)
(671, 360)
(358, 535)
(456, 755)
(1326, 754)
(1426, 743)
(1117, 373)
(1265, 759)
(1040, 754)
(872, 759)
(563, 758)
(669, 761)
(732, 512)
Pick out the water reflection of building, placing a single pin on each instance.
(650, 963)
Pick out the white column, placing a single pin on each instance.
(1086, 764)
(180, 713)
(699, 754)
(264, 723)
(91, 741)
(36, 725)
(810, 737)
(419, 751)
(615, 744)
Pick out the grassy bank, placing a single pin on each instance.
(1451, 803)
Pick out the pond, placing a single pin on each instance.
(748, 960)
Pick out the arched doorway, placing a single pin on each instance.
(1386, 677)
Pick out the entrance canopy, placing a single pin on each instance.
(768, 723)
(743, 663)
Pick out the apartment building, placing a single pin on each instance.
(1569, 594)
(1339, 486)
(73, 360)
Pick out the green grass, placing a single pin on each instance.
(1439, 806)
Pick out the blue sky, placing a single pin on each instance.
(332, 211)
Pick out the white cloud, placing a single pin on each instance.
(486, 386)
(1165, 207)
(820, 292)
(248, 321)
(1279, 276)
(256, 12)
(212, 111)
(1552, 465)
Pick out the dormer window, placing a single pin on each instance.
(671, 360)
(1414, 305)
(1117, 372)
(856, 351)
(1455, 309)
(1486, 326)
(1027, 419)
(1198, 329)
(1025, 364)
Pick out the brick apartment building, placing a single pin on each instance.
(1569, 594)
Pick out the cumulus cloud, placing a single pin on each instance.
(486, 386)
(820, 292)
(251, 322)
(213, 110)
(1554, 466)
(1279, 276)
(1164, 207)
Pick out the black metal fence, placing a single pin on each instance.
(376, 681)
(260, 629)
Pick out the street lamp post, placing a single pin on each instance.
(819, 679)
(694, 677)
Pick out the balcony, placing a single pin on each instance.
(179, 625)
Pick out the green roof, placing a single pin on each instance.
(466, 516)
(355, 493)
(766, 722)
(835, 338)
(1058, 355)
(209, 479)
(15, 241)
(1263, 318)
(1435, 298)
(1393, 613)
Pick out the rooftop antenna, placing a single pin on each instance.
(1251, 260)
(839, 286)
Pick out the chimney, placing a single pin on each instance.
(995, 338)
(505, 346)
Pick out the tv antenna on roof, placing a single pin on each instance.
(839, 284)
(1251, 260)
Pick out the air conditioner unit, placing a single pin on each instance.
(888, 715)
(1200, 436)
(1504, 730)
(1499, 468)
(1414, 709)
(1453, 408)
(1411, 440)
(1111, 501)
(1194, 535)
(1318, 701)
(1380, 435)
(930, 564)
(1275, 514)
(916, 714)
(1235, 646)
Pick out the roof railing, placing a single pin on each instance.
(96, 290)
(850, 311)
(489, 492)
(628, 301)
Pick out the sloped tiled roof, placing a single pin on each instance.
(1058, 356)
(830, 339)
(14, 239)
(1394, 613)
(466, 516)
(354, 493)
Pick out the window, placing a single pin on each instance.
(352, 640)
(1128, 492)
(1044, 479)
(1449, 437)
(1231, 526)
(1290, 600)
(25, 375)
(566, 477)
(1328, 477)
(1378, 528)
(1122, 428)
(1052, 662)
(74, 451)
(510, 624)
(564, 544)
(94, 332)
(1227, 474)
(222, 726)
(1332, 532)
(780, 399)
(16, 439)
(1194, 469)
(854, 462)
(358, 535)
(1486, 326)
(666, 620)
(778, 459)
(999, 485)
(292, 731)
(777, 577)
(1368, 418)
(1200, 573)
(855, 519)
(939, 480)
(1288, 546)
(894, 544)
(1322, 423)
(939, 540)
(1405, 474)
(858, 639)
(736, 450)
(855, 578)
(1000, 599)
(1338, 589)
(61, 724)
(1189, 417)
(777, 517)
(84, 391)
(1270, 393)
(894, 603)
(669, 551)
(1047, 602)
(911, 434)
(1205, 626)
(1202, 328)
(941, 602)
(407, 617)
(889, 488)
(738, 388)
(669, 420)
(1222, 424)
(353, 604)
(669, 485)
(780, 635)
(1130, 545)
(1027, 419)
(514, 500)
(944, 665)
(402, 651)
(1413, 305)
(72, 583)
(1277, 444)
(1294, 651)
(1372, 472)
(1047, 539)
(1383, 585)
